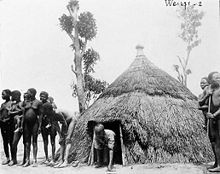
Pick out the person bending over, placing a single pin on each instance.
(68, 122)
(104, 138)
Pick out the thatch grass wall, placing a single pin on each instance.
(159, 117)
(170, 131)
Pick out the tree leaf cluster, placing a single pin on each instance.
(87, 26)
(90, 57)
(191, 20)
(66, 23)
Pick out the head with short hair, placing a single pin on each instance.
(44, 96)
(99, 130)
(6, 93)
(32, 92)
(213, 76)
(16, 95)
(26, 96)
(204, 82)
(47, 109)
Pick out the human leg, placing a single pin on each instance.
(110, 165)
(35, 148)
(68, 143)
(27, 144)
(44, 133)
(11, 135)
(5, 142)
(16, 138)
(62, 151)
(66, 154)
(212, 138)
(52, 140)
(98, 158)
(111, 144)
(217, 148)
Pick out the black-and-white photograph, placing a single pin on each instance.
(110, 86)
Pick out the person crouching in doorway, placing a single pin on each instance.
(104, 138)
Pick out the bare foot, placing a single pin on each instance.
(51, 163)
(109, 169)
(34, 164)
(75, 164)
(21, 164)
(212, 167)
(6, 161)
(26, 164)
(58, 165)
(12, 162)
(98, 165)
(46, 161)
(64, 164)
(217, 169)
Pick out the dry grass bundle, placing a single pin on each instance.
(159, 118)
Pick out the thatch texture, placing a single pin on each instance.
(159, 117)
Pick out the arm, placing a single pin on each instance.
(203, 97)
(71, 129)
(40, 107)
(62, 120)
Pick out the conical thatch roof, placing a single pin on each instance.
(159, 117)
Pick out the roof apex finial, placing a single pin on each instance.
(140, 49)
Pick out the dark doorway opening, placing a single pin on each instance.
(115, 127)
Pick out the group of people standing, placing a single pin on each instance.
(29, 118)
(209, 103)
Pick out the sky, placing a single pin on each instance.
(35, 52)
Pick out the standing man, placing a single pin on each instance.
(104, 138)
(214, 116)
(6, 124)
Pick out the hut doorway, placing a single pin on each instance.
(117, 158)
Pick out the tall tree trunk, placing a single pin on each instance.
(79, 75)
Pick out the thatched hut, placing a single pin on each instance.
(155, 118)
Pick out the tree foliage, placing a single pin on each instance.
(191, 20)
(87, 26)
(82, 28)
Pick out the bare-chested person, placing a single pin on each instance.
(48, 128)
(68, 122)
(6, 124)
(203, 99)
(214, 117)
(51, 100)
(16, 112)
(31, 125)
(104, 139)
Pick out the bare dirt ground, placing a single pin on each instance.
(84, 169)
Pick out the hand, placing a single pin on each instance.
(209, 91)
(21, 129)
(209, 115)
(39, 130)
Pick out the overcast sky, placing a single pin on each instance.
(35, 52)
